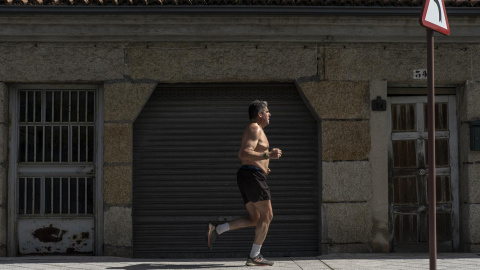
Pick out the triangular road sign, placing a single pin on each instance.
(434, 16)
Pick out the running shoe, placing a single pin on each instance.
(211, 235)
(258, 261)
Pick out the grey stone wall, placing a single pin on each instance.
(386, 64)
(342, 107)
(222, 62)
(123, 101)
(31, 62)
(339, 91)
(395, 62)
(469, 168)
(3, 167)
(327, 26)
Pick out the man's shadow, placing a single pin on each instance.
(151, 266)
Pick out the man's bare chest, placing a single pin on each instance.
(263, 144)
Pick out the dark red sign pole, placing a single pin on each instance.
(432, 218)
(438, 23)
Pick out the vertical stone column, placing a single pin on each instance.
(346, 172)
(469, 169)
(3, 167)
(123, 102)
(379, 167)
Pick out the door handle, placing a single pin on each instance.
(422, 172)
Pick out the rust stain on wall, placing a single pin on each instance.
(80, 238)
(49, 234)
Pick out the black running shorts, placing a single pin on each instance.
(252, 182)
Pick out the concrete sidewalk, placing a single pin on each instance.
(463, 261)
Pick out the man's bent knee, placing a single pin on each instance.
(267, 217)
(254, 220)
(265, 210)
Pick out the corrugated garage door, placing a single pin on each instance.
(185, 144)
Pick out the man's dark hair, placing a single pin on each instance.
(256, 107)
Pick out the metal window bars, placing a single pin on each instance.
(56, 126)
(56, 129)
(56, 195)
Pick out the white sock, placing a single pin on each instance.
(222, 228)
(255, 250)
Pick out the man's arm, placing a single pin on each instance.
(247, 150)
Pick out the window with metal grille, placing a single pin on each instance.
(56, 151)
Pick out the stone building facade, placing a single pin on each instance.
(339, 59)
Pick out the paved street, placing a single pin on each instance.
(463, 261)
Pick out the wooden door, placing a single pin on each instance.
(408, 172)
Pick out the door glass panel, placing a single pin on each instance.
(442, 153)
(405, 190)
(405, 154)
(48, 139)
(444, 227)
(403, 117)
(29, 190)
(406, 228)
(442, 189)
(441, 116)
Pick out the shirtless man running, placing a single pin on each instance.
(252, 182)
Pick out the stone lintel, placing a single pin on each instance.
(337, 99)
(124, 101)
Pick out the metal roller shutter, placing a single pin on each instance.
(185, 144)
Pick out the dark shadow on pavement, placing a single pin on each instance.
(147, 266)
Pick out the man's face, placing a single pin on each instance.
(265, 116)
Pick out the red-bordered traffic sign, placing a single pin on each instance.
(434, 16)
